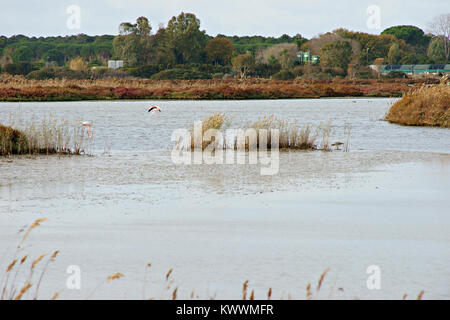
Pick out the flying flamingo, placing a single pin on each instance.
(155, 108)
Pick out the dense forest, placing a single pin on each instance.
(181, 50)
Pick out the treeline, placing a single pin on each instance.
(181, 50)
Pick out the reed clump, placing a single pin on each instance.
(12, 141)
(423, 106)
(290, 135)
(217, 121)
(45, 136)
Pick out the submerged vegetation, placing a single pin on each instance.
(48, 136)
(424, 106)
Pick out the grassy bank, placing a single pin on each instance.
(424, 106)
(20, 89)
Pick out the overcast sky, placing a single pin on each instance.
(230, 17)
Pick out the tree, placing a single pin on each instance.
(219, 51)
(22, 54)
(185, 38)
(243, 63)
(394, 54)
(436, 51)
(78, 64)
(336, 55)
(22, 68)
(285, 60)
(133, 42)
(285, 53)
(441, 27)
(411, 34)
(54, 55)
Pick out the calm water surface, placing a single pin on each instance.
(384, 203)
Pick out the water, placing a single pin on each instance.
(384, 203)
(126, 125)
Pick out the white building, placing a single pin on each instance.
(115, 64)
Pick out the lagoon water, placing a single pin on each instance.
(384, 203)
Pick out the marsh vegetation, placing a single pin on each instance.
(45, 136)
(423, 106)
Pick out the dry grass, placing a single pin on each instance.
(424, 106)
(11, 288)
(45, 136)
(18, 88)
(291, 136)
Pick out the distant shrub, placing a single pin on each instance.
(266, 70)
(46, 73)
(218, 75)
(20, 68)
(297, 71)
(58, 72)
(396, 75)
(284, 75)
(180, 74)
(107, 73)
(205, 68)
(78, 64)
(144, 71)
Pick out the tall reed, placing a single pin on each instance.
(45, 136)
(291, 136)
(423, 106)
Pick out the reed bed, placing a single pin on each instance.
(17, 88)
(291, 136)
(45, 136)
(423, 106)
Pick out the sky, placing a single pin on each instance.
(230, 17)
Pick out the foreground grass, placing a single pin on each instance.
(424, 106)
(23, 277)
(20, 89)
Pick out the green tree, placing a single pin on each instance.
(441, 27)
(219, 51)
(436, 51)
(411, 34)
(394, 54)
(22, 54)
(54, 55)
(243, 63)
(185, 39)
(133, 42)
